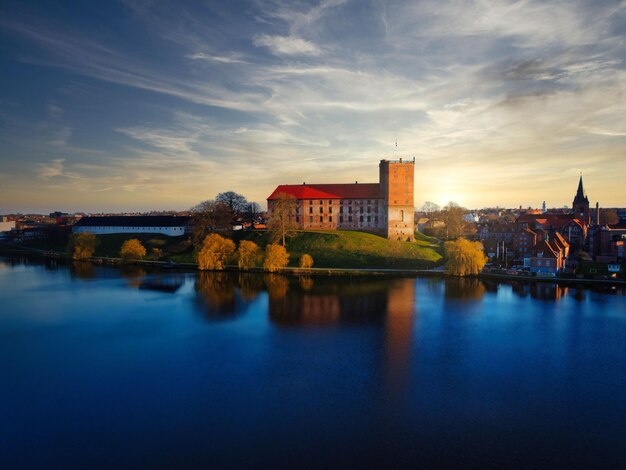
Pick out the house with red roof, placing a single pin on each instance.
(385, 207)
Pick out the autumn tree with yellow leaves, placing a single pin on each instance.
(132, 249)
(215, 252)
(276, 257)
(247, 254)
(464, 257)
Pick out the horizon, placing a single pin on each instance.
(131, 107)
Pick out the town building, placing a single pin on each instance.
(385, 208)
(170, 225)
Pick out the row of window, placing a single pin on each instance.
(330, 210)
(341, 219)
(340, 201)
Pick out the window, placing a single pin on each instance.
(349, 218)
(330, 201)
(321, 201)
(330, 210)
(297, 219)
(330, 218)
(361, 219)
(310, 210)
(349, 210)
(321, 219)
(341, 210)
(401, 215)
(369, 210)
(321, 210)
(340, 218)
(369, 218)
(361, 211)
(376, 219)
(310, 219)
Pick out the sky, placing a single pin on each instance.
(140, 105)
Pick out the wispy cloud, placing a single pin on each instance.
(287, 45)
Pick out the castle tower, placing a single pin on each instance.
(396, 187)
(580, 205)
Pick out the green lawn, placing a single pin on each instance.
(351, 249)
(329, 249)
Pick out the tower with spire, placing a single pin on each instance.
(580, 205)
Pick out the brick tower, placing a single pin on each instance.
(396, 189)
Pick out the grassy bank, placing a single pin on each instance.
(348, 249)
(336, 249)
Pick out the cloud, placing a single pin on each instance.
(287, 45)
(215, 58)
(51, 169)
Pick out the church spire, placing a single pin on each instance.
(580, 193)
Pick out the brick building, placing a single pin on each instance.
(385, 207)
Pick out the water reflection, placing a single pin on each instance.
(250, 285)
(216, 292)
(464, 289)
(169, 284)
(82, 270)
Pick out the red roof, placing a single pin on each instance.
(329, 191)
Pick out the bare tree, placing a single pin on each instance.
(608, 217)
(430, 207)
(281, 219)
(209, 216)
(253, 210)
(452, 215)
(236, 202)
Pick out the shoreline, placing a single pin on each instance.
(294, 271)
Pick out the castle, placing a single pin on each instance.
(385, 207)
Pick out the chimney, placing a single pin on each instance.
(597, 213)
(356, 182)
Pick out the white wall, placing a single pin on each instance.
(169, 231)
(6, 226)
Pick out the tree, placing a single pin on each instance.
(236, 202)
(82, 245)
(306, 261)
(464, 257)
(430, 207)
(281, 220)
(609, 217)
(207, 216)
(276, 257)
(247, 254)
(156, 253)
(132, 249)
(216, 251)
(252, 212)
(452, 216)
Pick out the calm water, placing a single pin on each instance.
(103, 367)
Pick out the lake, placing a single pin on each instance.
(107, 368)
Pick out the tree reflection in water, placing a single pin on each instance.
(216, 290)
(250, 285)
(277, 286)
(464, 289)
(306, 282)
(82, 270)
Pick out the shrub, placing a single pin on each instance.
(132, 249)
(215, 252)
(276, 257)
(156, 253)
(246, 254)
(82, 245)
(464, 257)
(306, 261)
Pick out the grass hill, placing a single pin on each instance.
(350, 249)
(329, 249)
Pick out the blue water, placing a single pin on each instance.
(109, 368)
